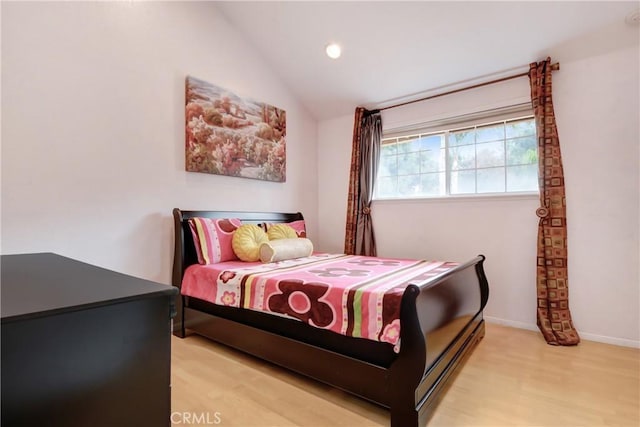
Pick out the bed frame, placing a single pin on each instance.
(441, 323)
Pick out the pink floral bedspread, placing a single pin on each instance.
(356, 296)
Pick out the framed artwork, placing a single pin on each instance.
(229, 135)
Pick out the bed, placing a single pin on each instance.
(441, 322)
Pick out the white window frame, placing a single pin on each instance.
(447, 125)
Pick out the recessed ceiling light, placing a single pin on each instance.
(333, 50)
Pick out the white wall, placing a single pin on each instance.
(597, 101)
(93, 129)
(334, 161)
(596, 104)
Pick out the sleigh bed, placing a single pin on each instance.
(441, 322)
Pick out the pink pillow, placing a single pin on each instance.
(213, 237)
(299, 226)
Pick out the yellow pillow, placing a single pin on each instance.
(281, 231)
(247, 240)
(283, 249)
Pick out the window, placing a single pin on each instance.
(494, 157)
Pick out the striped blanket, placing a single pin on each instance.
(356, 296)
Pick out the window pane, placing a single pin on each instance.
(490, 154)
(490, 133)
(409, 185)
(522, 151)
(495, 157)
(522, 178)
(387, 187)
(463, 182)
(388, 166)
(408, 144)
(432, 161)
(433, 184)
(462, 137)
(519, 128)
(388, 149)
(431, 142)
(491, 180)
(409, 163)
(463, 157)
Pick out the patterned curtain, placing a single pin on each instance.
(367, 133)
(554, 317)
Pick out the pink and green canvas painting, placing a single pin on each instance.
(234, 136)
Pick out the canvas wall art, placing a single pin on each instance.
(230, 135)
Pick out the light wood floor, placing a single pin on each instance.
(513, 378)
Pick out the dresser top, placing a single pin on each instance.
(42, 284)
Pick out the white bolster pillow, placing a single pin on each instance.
(283, 249)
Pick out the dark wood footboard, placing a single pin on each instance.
(441, 323)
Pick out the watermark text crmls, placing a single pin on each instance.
(196, 418)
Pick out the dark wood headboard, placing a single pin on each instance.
(185, 252)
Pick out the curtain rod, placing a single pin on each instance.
(554, 67)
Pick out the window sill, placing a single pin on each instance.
(463, 198)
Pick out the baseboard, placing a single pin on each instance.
(583, 335)
(609, 340)
(512, 323)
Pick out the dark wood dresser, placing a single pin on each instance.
(82, 345)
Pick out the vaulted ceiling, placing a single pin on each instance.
(396, 50)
